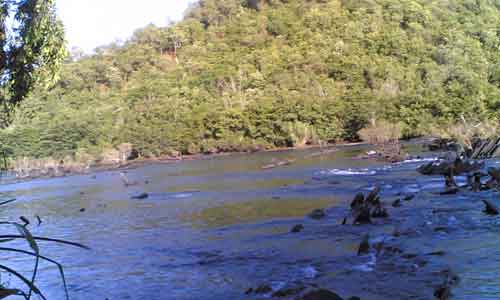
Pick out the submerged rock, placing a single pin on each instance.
(373, 197)
(317, 214)
(287, 292)
(494, 181)
(443, 292)
(263, 289)
(364, 209)
(363, 216)
(456, 167)
(297, 228)
(364, 246)
(409, 197)
(141, 196)
(380, 212)
(491, 208)
(358, 201)
(450, 191)
(320, 294)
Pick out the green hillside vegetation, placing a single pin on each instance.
(238, 75)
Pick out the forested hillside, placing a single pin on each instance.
(235, 75)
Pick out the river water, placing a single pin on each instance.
(212, 228)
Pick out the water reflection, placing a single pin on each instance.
(258, 210)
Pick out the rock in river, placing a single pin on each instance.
(297, 228)
(141, 196)
(491, 208)
(317, 214)
(320, 294)
(364, 246)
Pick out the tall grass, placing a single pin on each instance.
(385, 136)
(30, 287)
(380, 132)
(28, 167)
(466, 131)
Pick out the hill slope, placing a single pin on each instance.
(240, 74)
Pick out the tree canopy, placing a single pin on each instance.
(32, 47)
(236, 75)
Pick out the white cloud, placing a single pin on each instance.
(93, 23)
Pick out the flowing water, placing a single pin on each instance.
(212, 228)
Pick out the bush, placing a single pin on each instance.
(464, 132)
(380, 132)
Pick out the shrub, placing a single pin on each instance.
(464, 132)
(380, 132)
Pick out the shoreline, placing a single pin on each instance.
(137, 163)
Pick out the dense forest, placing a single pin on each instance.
(239, 75)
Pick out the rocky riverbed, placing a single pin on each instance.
(226, 228)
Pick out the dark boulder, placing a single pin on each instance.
(317, 214)
(358, 201)
(442, 144)
(363, 216)
(491, 208)
(320, 294)
(443, 292)
(141, 196)
(363, 209)
(409, 197)
(364, 246)
(263, 289)
(297, 228)
(289, 291)
(379, 212)
(447, 167)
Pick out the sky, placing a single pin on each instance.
(93, 23)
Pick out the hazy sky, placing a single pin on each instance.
(92, 23)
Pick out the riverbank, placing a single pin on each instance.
(27, 169)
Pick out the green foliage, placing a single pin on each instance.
(33, 51)
(237, 74)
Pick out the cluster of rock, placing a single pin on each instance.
(480, 148)
(299, 291)
(471, 168)
(363, 209)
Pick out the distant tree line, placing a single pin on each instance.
(239, 75)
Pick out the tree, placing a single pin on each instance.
(32, 48)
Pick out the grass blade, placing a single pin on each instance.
(7, 202)
(59, 266)
(29, 237)
(39, 238)
(23, 279)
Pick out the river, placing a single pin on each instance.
(212, 228)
